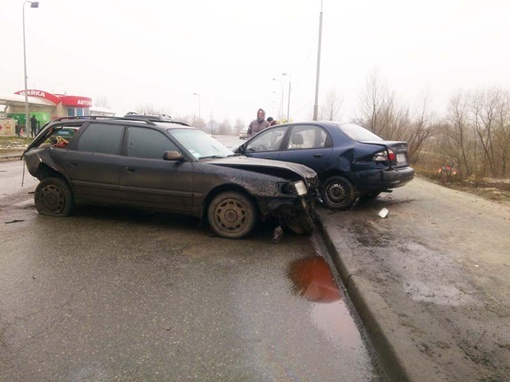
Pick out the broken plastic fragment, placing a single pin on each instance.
(383, 213)
(277, 235)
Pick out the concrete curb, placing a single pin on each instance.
(399, 355)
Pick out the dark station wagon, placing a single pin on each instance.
(351, 161)
(161, 164)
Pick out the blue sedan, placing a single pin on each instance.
(351, 161)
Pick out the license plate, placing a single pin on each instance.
(401, 158)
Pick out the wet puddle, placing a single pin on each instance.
(312, 280)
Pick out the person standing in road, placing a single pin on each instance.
(33, 126)
(258, 124)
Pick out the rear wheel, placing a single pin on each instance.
(338, 193)
(53, 197)
(231, 215)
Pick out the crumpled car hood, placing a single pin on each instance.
(265, 166)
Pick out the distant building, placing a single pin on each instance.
(44, 105)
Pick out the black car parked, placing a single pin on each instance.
(350, 160)
(161, 164)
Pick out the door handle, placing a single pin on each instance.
(317, 155)
(130, 169)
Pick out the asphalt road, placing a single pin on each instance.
(111, 295)
(11, 175)
(430, 282)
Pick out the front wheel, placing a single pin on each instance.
(338, 193)
(231, 215)
(53, 197)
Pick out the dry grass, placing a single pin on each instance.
(488, 188)
(14, 143)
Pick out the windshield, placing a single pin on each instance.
(200, 144)
(358, 133)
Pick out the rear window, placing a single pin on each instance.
(358, 133)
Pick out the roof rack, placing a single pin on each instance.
(154, 117)
(149, 119)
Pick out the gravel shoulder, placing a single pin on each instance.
(430, 281)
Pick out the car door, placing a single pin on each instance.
(267, 144)
(94, 163)
(148, 180)
(308, 144)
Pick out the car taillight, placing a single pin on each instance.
(384, 156)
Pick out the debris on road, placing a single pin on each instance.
(277, 235)
(384, 212)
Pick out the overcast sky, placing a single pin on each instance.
(159, 53)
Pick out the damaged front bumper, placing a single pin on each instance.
(295, 213)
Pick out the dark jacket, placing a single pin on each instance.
(258, 124)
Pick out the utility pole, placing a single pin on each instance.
(316, 105)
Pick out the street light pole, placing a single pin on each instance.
(33, 4)
(281, 105)
(316, 105)
(198, 95)
(288, 96)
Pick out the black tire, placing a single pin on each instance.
(338, 193)
(231, 215)
(301, 225)
(53, 197)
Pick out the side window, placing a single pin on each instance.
(148, 143)
(101, 138)
(60, 138)
(307, 137)
(268, 140)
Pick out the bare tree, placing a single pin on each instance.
(198, 122)
(331, 108)
(371, 103)
(102, 102)
(149, 109)
(489, 115)
(392, 119)
(502, 135)
(474, 135)
(239, 125)
(421, 129)
(457, 139)
(224, 128)
(191, 120)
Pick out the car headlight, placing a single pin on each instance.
(300, 188)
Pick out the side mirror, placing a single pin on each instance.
(173, 155)
(239, 150)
